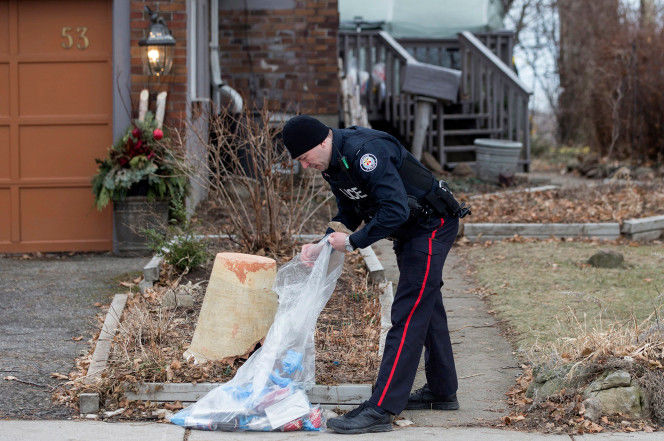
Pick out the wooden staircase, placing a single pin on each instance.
(492, 102)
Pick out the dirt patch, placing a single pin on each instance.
(602, 203)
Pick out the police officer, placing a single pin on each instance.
(376, 180)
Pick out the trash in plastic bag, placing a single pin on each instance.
(268, 391)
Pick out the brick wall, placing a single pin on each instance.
(287, 56)
(174, 13)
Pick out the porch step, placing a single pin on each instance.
(472, 132)
(456, 116)
(459, 148)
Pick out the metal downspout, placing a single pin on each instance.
(219, 87)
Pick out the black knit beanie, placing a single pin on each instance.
(302, 133)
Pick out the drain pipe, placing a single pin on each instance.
(219, 86)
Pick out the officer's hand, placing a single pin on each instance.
(310, 252)
(338, 241)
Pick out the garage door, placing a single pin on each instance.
(55, 118)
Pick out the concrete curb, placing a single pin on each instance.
(376, 270)
(108, 330)
(644, 229)
(89, 402)
(342, 394)
(386, 298)
(488, 231)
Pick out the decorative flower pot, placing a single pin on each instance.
(496, 157)
(130, 218)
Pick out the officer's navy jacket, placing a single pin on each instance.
(371, 189)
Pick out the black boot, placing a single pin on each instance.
(423, 398)
(366, 418)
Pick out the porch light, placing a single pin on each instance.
(158, 46)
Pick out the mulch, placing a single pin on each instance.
(602, 203)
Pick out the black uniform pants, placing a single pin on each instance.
(418, 319)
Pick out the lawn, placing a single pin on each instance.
(544, 291)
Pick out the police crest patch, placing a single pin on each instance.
(368, 162)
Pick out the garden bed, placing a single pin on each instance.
(602, 203)
(151, 340)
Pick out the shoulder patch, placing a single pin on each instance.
(368, 162)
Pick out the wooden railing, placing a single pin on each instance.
(489, 87)
(491, 94)
(446, 52)
(361, 52)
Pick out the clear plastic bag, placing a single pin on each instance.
(268, 391)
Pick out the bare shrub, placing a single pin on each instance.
(251, 177)
(610, 73)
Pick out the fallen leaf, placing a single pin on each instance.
(137, 280)
(127, 284)
(173, 406)
(97, 304)
(79, 338)
(59, 376)
(10, 378)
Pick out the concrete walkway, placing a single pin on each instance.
(99, 431)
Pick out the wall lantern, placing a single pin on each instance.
(158, 46)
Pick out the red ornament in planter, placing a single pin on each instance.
(136, 132)
(158, 134)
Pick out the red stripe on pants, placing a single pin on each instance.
(412, 311)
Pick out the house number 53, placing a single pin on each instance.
(82, 41)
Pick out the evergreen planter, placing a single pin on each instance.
(130, 217)
(496, 157)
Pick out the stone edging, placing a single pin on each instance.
(327, 396)
(342, 396)
(644, 229)
(89, 402)
(647, 228)
(488, 231)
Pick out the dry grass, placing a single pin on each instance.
(635, 347)
(641, 341)
(544, 291)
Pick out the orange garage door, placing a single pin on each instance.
(55, 118)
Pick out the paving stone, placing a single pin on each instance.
(88, 403)
(88, 431)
